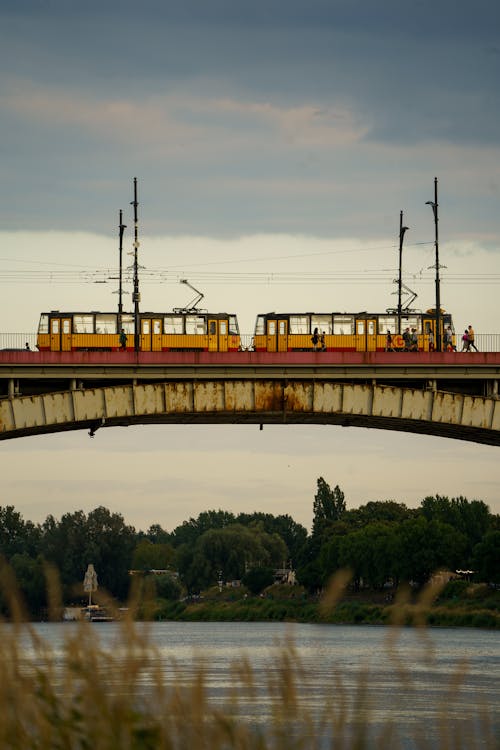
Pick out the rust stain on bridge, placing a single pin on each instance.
(460, 416)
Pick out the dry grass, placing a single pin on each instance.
(89, 698)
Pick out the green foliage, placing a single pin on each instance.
(257, 579)
(372, 553)
(470, 518)
(486, 558)
(292, 533)
(387, 511)
(30, 576)
(167, 586)
(157, 535)
(454, 590)
(152, 556)
(190, 531)
(228, 552)
(427, 546)
(101, 538)
(17, 537)
(329, 505)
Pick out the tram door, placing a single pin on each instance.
(429, 324)
(60, 334)
(156, 331)
(217, 335)
(282, 335)
(277, 335)
(145, 338)
(366, 335)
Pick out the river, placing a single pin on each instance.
(417, 681)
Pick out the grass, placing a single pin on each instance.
(87, 698)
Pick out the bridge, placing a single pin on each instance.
(446, 394)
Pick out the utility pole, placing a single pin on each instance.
(121, 228)
(402, 231)
(136, 296)
(434, 204)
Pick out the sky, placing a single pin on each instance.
(275, 146)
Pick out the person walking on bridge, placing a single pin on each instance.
(123, 340)
(470, 333)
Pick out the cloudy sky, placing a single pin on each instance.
(275, 145)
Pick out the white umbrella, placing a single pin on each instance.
(90, 581)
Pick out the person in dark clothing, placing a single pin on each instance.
(407, 340)
(123, 340)
(315, 338)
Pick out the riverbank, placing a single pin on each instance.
(459, 605)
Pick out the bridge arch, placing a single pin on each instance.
(294, 401)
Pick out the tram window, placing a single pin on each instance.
(83, 323)
(43, 326)
(195, 324)
(66, 327)
(361, 327)
(322, 323)
(343, 324)
(128, 323)
(412, 321)
(223, 327)
(387, 323)
(271, 327)
(55, 325)
(105, 323)
(173, 324)
(282, 327)
(212, 328)
(145, 326)
(233, 325)
(259, 326)
(299, 324)
(371, 327)
(157, 327)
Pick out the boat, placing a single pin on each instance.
(95, 613)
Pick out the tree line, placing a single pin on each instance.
(379, 542)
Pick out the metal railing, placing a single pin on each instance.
(485, 342)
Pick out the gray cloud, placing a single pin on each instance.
(358, 96)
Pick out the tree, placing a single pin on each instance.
(110, 546)
(329, 505)
(293, 534)
(230, 551)
(191, 530)
(101, 538)
(371, 553)
(486, 558)
(387, 511)
(157, 534)
(17, 537)
(426, 546)
(471, 518)
(30, 578)
(149, 556)
(258, 579)
(167, 587)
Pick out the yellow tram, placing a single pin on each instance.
(177, 331)
(348, 332)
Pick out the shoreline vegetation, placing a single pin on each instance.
(457, 604)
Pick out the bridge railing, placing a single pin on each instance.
(485, 342)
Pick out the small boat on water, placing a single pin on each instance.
(95, 613)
